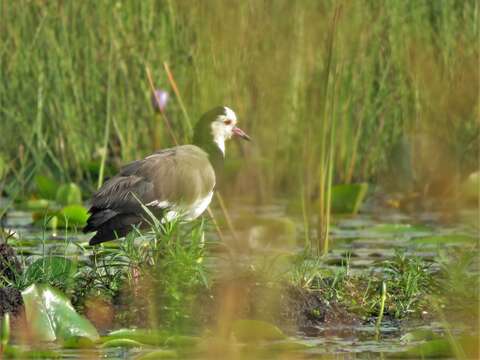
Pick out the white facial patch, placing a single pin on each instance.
(221, 130)
(230, 114)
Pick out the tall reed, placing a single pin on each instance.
(405, 70)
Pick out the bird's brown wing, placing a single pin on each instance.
(169, 177)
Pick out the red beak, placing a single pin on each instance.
(239, 132)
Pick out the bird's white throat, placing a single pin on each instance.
(222, 132)
(220, 141)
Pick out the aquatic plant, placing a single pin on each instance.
(165, 264)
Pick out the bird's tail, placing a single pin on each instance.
(109, 224)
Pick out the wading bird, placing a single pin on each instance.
(172, 183)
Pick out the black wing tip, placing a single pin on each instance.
(93, 241)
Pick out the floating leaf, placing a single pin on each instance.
(46, 187)
(347, 198)
(73, 215)
(256, 330)
(69, 194)
(148, 337)
(446, 239)
(124, 343)
(51, 316)
(400, 229)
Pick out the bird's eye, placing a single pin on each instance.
(227, 122)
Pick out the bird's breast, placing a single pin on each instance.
(188, 212)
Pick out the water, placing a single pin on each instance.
(367, 240)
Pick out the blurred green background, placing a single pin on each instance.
(386, 90)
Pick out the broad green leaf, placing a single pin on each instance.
(69, 194)
(51, 316)
(347, 198)
(46, 187)
(124, 343)
(148, 337)
(73, 215)
(256, 330)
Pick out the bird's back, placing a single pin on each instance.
(170, 181)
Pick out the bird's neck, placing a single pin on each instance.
(215, 149)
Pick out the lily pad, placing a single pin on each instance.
(397, 229)
(69, 194)
(347, 198)
(446, 239)
(52, 317)
(256, 330)
(124, 343)
(73, 215)
(148, 337)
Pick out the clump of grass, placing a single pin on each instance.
(406, 277)
(409, 280)
(164, 265)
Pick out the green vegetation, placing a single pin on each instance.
(346, 101)
(356, 90)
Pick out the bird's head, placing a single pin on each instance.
(216, 126)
